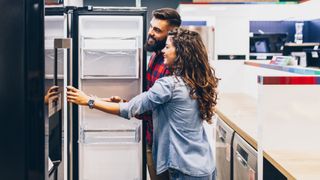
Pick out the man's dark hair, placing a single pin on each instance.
(169, 14)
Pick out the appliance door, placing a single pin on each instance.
(224, 135)
(55, 84)
(244, 160)
(111, 62)
(22, 150)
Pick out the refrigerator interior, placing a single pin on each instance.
(110, 63)
(55, 27)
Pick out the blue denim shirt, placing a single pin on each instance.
(179, 140)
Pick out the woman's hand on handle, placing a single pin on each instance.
(77, 96)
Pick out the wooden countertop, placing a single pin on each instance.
(239, 111)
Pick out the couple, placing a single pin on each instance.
(180, 103)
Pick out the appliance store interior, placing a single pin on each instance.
(265, 124)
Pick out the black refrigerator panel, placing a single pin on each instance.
(22, 151)
(108, 60)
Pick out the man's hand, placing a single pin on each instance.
(115, 99)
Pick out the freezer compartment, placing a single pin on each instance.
(224, 135)
(244, 160)
(112, 135)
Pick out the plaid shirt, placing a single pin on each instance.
(156, 70)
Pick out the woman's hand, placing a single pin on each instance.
(77, 96)
(52, 93)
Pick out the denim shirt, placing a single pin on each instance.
(179, 140)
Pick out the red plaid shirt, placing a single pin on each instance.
(156, 70)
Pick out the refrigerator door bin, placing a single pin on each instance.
(109, 58)
(244, 159)
(55, 27)
(111, 136)
(224, 135)
(117, 161)
(108, 152)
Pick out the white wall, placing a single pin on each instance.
(231, 36)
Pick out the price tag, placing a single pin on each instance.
(316, 47)
(314, 54)
(262, 57)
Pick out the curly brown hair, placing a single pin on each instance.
(192, 65)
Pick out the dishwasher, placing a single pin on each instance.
(224, 135)
(245, 160)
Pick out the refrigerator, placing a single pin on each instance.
(108, 60)
(22, 151)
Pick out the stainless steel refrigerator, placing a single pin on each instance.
(108, 60)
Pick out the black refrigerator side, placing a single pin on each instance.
(22, 151)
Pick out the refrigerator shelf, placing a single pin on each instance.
(107, 77)
(98, 64)
(112, 43)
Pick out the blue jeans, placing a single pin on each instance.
(177, 175)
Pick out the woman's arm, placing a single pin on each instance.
(160, 93)
(79, 97)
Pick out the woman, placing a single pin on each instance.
(180, 103)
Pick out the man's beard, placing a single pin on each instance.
(156, 46)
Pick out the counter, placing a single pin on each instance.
(240, 113)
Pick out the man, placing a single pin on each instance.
(163, 21)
